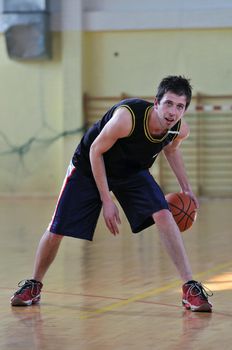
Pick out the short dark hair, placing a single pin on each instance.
(179, 85)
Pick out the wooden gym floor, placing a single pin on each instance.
(116, 293)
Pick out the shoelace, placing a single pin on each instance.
(198, 289)
(27, 284)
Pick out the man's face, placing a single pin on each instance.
(170, 109)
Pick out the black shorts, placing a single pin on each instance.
(79, 203)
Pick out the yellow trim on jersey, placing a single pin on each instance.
(132, 115)
(147, 132)
(146, 128)
(178, 129)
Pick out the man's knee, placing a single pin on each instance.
(162, 216)
(52, 237)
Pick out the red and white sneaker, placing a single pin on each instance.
(27, 294)
(195, 297)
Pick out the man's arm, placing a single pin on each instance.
(174, 157)
(119, 126)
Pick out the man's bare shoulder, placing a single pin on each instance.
(121, 122)
(184, 130)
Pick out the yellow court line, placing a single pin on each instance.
(152, 292)
(215, 269)
(137, 297)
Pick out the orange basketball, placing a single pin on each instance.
(183, 209)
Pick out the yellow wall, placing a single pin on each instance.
(42, 99)
(31, 105)
(72, 91)
(146, 56)
(39, 100)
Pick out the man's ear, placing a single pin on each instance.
(156, 103)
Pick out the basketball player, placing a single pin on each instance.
(115, 154)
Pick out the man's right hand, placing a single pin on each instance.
(111, 216)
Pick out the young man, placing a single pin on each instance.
(115, 154)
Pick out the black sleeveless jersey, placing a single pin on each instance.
(130, 154)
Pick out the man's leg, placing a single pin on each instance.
(173, 242)
(195, 296)
(46, 253)
(29, 291)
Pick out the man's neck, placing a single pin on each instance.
(154, 124)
